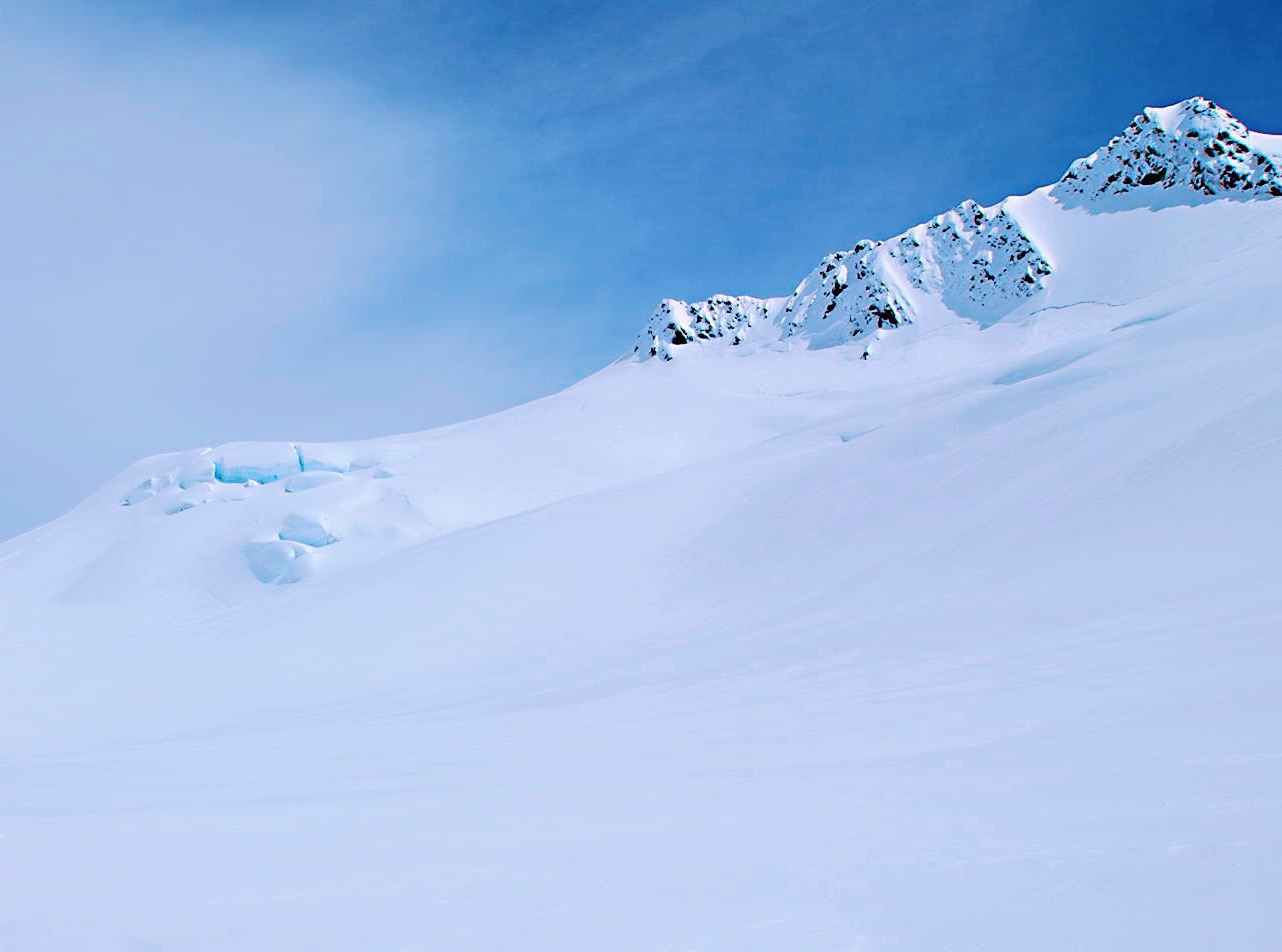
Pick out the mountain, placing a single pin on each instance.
(982, 263)
(929, 606)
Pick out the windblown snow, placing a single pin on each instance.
(931, 606)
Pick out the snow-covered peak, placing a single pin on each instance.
(676, 323)
(977, 263)
(1195, 148)
(1193, 115)
(851, 294)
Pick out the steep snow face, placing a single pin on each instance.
(1192, 148)
(980, 263)
(851, 295)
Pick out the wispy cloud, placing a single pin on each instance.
(170, 212)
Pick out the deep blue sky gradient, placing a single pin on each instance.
(583, 160)
(633, 150)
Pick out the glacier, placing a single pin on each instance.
(930, 606)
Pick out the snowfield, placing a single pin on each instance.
(957, 631)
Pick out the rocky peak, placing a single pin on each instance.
(1194, 145)
(677, 323)
(851, 294)
(981, 263)
(978, 261)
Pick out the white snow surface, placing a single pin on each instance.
(983, 263)
(1194, 147)
(964, 636)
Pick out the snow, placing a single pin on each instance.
(675, 323)
(1191, 150)
(255, 462)
(978, 263)
(311, 531)
(971, 644)
(850, 295)
(982, 263)
(310, 480)
(283, 560)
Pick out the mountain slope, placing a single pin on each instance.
(969, 644)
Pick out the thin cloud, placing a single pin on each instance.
(171, 211)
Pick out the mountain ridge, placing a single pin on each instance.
(980, 260)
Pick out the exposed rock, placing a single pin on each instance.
(849, 295)
(1194, 145)
(675, 323)
(979, 263)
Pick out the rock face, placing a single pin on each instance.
(1193, 145)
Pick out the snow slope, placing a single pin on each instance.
(830, 632)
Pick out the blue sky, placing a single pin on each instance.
(297, 220)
